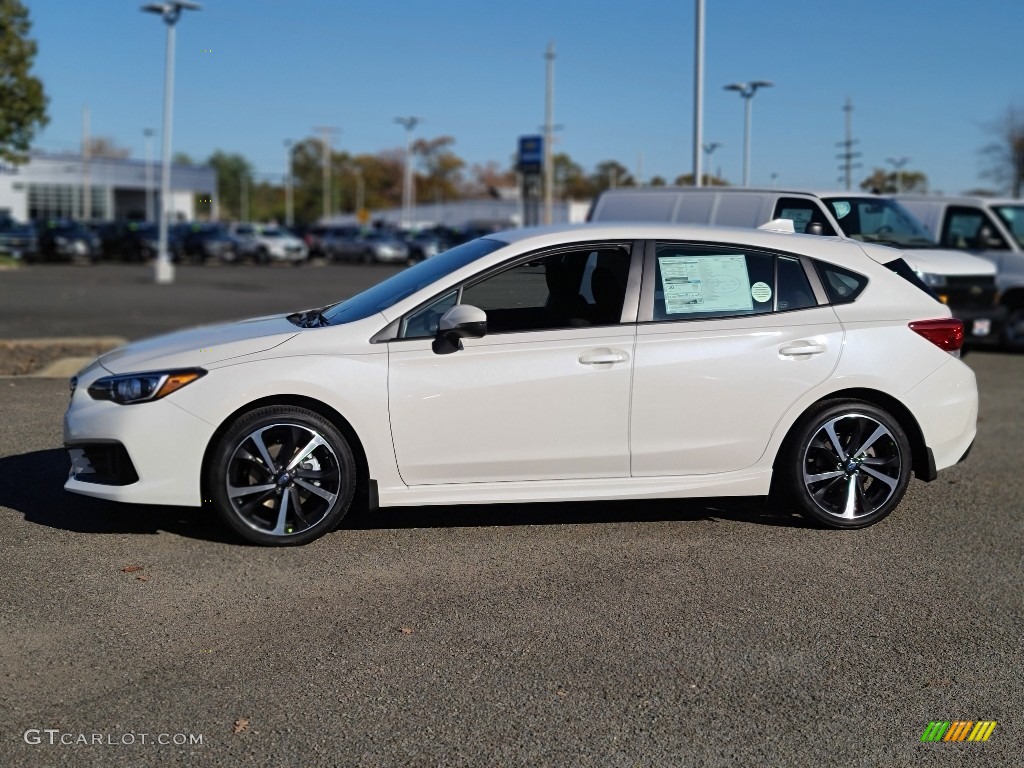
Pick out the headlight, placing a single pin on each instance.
(932, 280)
(142, 387)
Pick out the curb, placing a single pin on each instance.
(57, 358)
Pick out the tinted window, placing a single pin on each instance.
(802, 212)
(794, 289)
(970, 229)
(576, 288)
(841, 285)
(878, 220)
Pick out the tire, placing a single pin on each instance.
(845, 465)
(284, 507)
(368, 258)
(1013, 331)
(262, 257)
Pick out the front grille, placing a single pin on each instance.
(969, 291)
(101, 463)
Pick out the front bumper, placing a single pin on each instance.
(159, 443)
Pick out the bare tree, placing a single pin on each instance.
(1005, 155)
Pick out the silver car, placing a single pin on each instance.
(373, 246)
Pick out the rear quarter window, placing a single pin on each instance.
(841, 285)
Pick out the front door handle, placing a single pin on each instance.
(603, 357)
(803, 348)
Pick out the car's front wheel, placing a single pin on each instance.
(847, 465)
(282, 475)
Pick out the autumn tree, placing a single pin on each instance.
(105, 146)
(22, 99)
(442, 169)
(708, 180)
(610, 174)
(886, 182)
(1005, 155)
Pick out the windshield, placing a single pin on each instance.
(1013, 217)
(877, 220)
(407, 282)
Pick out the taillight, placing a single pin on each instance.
(947, 333)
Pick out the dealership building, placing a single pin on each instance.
(68, 186)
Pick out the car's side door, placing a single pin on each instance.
(729, 338)
(544, 395)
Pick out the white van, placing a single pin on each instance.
(992, 228)
(964, 282)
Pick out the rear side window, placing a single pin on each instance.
(841, 285)
(702, 283)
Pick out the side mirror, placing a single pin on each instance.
(462, 321)
(814, 228)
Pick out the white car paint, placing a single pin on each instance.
(629, 410)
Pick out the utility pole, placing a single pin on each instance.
(549, 130)
(408, 193)
(698, 93)
(709, 149)
(326, 131)
(848, 155)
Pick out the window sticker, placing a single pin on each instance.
(705, 283)
(799, 216)
(761, 292)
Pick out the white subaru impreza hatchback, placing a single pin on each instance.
(596, 362)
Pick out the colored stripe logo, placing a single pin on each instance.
(958, 730)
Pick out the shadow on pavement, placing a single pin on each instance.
(32, 484)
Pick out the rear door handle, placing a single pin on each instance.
(803, 348)
(603, 357)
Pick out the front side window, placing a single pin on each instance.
(969, 229)
(802, 212)
(576, 288)
(1013, 217)
(700, 283)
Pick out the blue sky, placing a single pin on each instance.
(925, 77)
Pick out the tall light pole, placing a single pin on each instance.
(698, 92)
(325, 150)
(709, 149)
(148, 133)
(170, 11)
(549, 131)
(408, 193)
(747, 91)
(898, 163)
(289, 207)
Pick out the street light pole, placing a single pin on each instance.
(170, 11)
(408, 193)
(747, 91)
(898, 163)
(709, 149)
(148, 133)
(289, 208)
(698, 93)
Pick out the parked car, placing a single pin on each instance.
(17, 240)
(128, 240)
(275, 243)
(209, 242)
(61, 240)
(244, 237)
(966, 283)
(423, 244)
(992, 228)
(366, 246)
(599, 362)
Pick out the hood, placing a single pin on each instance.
(201, 346)
(934, 260)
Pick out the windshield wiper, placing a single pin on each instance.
(310, 318)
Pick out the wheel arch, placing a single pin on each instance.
(921, 460)
(299, 401)
(1013, 298)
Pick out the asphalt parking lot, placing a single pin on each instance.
(706, 632)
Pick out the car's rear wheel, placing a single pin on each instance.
(847, 465)
(282, 476)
